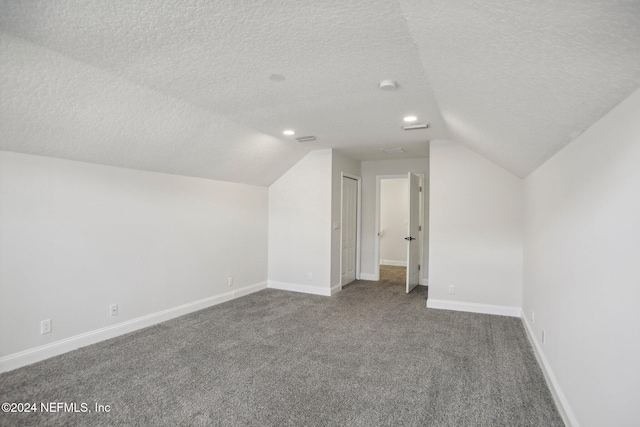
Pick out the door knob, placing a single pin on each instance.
(409, 238)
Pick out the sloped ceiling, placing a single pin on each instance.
(184, 86)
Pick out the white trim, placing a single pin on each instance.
(367, 276)
(36, 354)
(241, 292)
(561, 401)
(394, 263)
(335, 289)
(305, 289)
(500, 310)
(425, 281)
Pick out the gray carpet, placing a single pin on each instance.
(369, 356)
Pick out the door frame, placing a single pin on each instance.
(421, 233)
(344, 175)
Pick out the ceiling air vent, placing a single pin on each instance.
(415, 127)
(306, 138)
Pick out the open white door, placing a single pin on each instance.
(349, 232)
(413, 247)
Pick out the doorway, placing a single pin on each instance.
(394, 211)
(399, 218)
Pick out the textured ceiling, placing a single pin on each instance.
(183, 86)
(518, 80)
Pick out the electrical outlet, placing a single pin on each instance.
(533, 316)
(45, 326)
(113, 310)
(230, 281)
(452, 289)
(543, 336)
(309, 276)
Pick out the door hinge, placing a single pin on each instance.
(419, 228)
(421, 189)
(418, 266)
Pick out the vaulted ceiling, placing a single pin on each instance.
(194, 87)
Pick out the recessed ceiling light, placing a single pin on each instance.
(410, 119)
(289, 132)
(276, 77)
(388, 85)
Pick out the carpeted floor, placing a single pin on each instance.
(369, 356)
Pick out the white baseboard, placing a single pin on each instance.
(561, 401)
(500, 310)
(305, 289)
(394, 263)
(335, 289)
(27, 357)
(372, 277)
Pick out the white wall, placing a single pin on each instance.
(340, 163)
(582, 275)
(300, 226)
(77, 237)
(370, 170)
(476, 232)
(394, 213)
